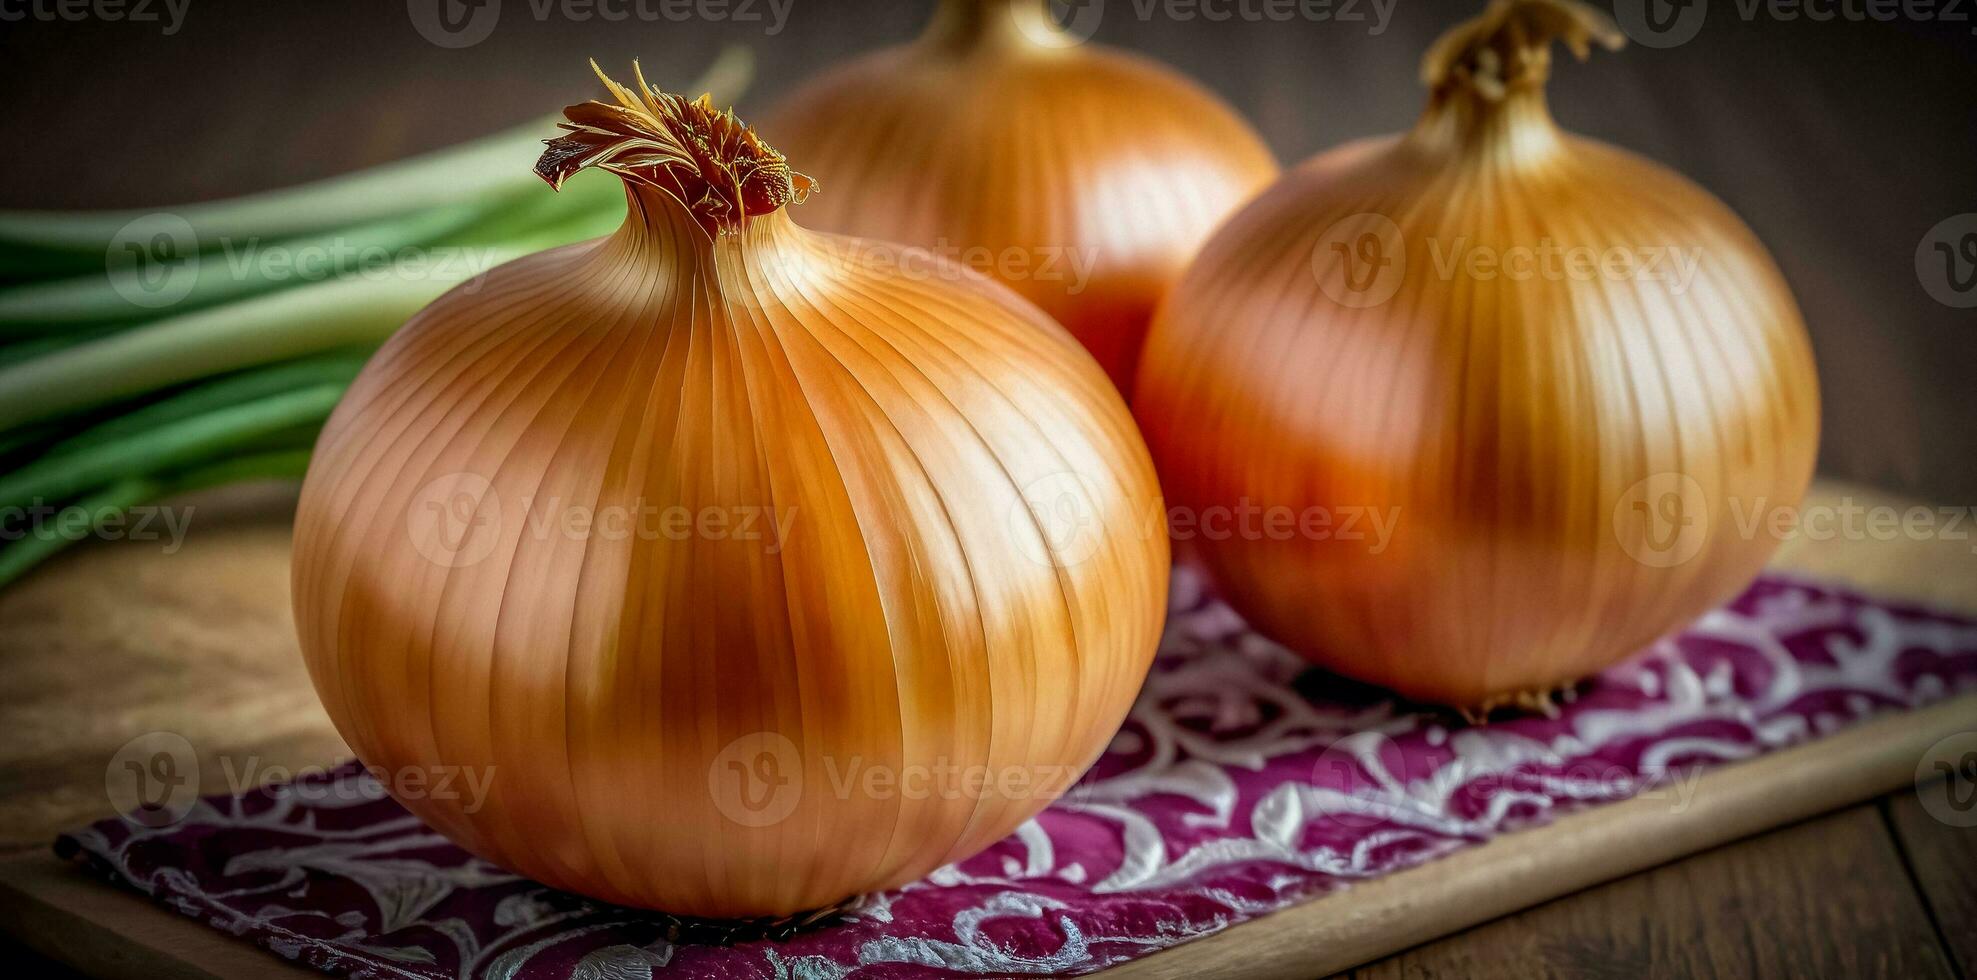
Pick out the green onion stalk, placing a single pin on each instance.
(149, 353)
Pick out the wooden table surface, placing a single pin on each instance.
(118, 638)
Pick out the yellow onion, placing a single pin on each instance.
(1082, 177)
(708, 546)
(1510, 394)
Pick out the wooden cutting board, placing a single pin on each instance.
(120, 638)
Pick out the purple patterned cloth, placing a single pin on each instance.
(1243, 782)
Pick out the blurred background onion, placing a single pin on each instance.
(1081, 176)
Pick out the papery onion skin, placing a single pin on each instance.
(1083, 177)
(1510, 430)
(909, 614)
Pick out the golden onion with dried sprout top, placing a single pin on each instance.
(1082, 177)
(1562, 373)
(661, 534)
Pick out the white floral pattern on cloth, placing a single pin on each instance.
(1244, 781)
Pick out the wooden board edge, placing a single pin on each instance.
(1386, 915)
(68, 916)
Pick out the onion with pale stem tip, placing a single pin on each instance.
(675, 538)
(1560, 376)
(1082, 177)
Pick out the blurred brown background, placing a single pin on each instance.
(1843, 142)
